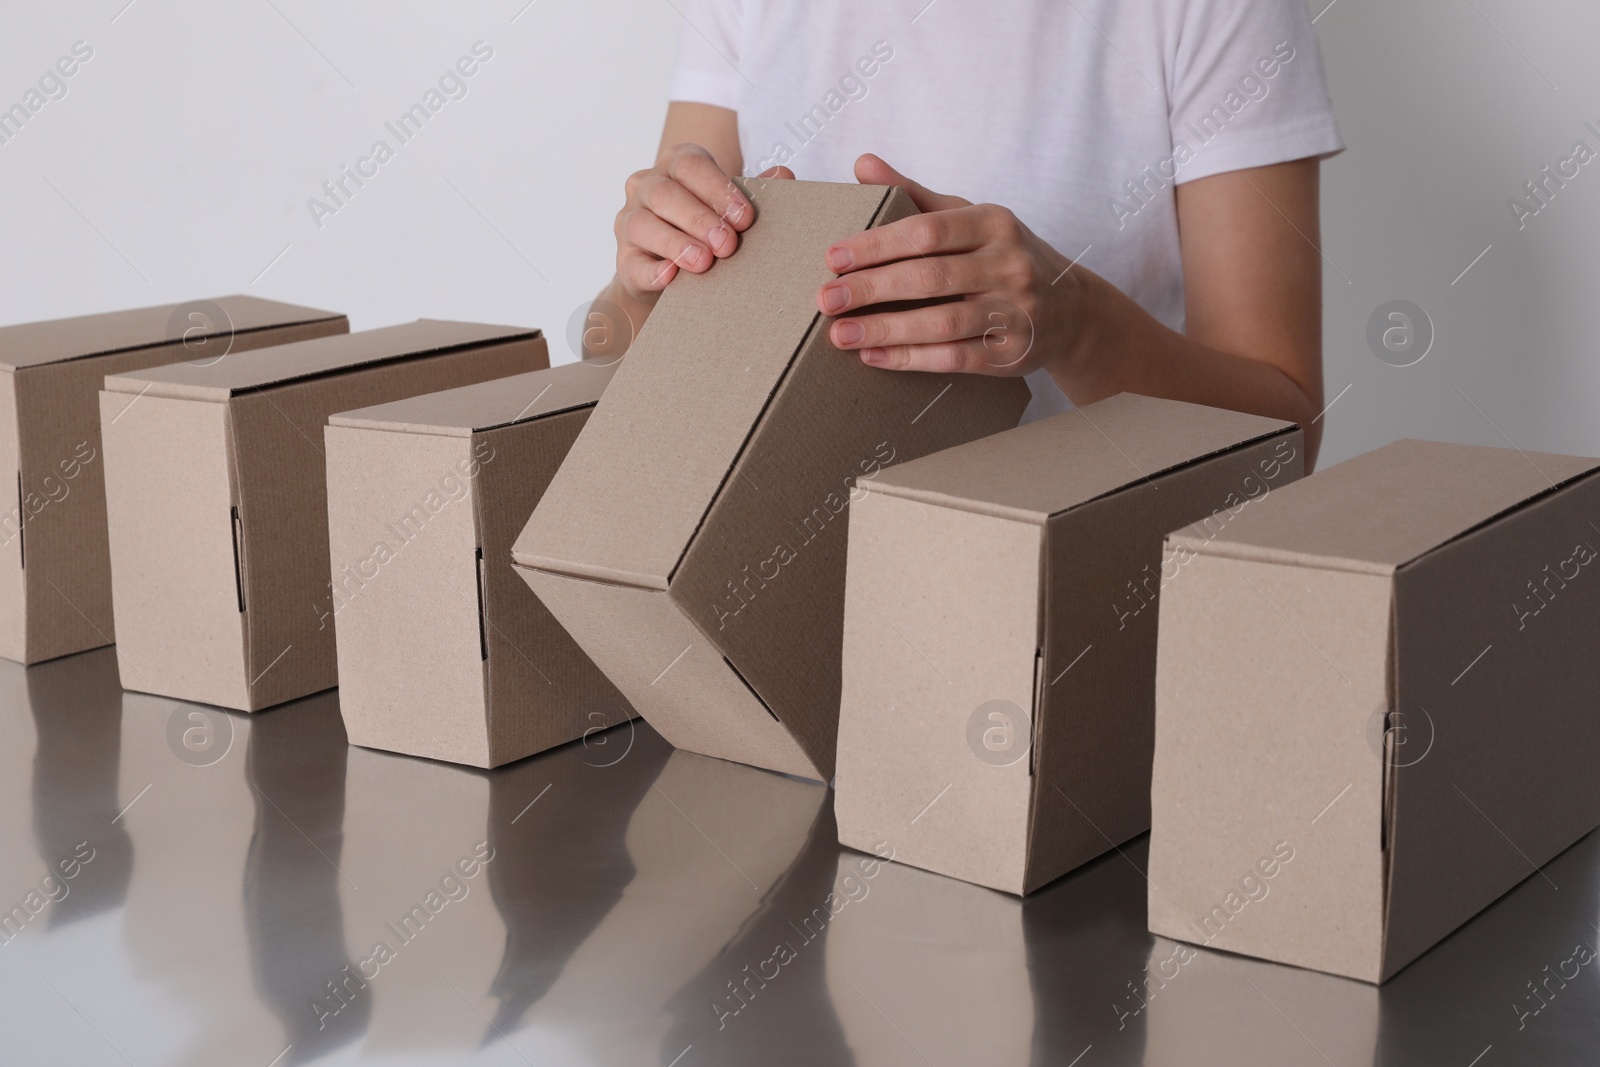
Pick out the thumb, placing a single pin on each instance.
(872, 170)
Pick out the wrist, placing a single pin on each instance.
(1085, 304)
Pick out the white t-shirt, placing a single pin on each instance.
(1078, 115)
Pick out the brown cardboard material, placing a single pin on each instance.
(55, 567)
(443, 651)
(216, 491)
(1376, 705)
(1000, 632)
(693, 542)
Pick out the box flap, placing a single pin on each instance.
(1383, 509)
(32, 344)
(487, 405)
(631, 496)
(1125, 439)
(268, 367)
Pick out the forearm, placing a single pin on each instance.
(1123, 348)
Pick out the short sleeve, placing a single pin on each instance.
(708, 54)
(1247, 87)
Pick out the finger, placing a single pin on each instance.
(692, 167)
(952, 321)
(779, 173)
(872, 170)
(919, 278)
(677, 206)
(953, 357)
(959, 229)
(649, 233)
(644, 273)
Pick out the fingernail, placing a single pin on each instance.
(720, 238)
(735, 212)
(693, 256)
(840, 259)
(848, 333)
(834, 298)
(875, 356)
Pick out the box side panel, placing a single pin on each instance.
(1266, 799)
(68, 579)
(13, 603)
(1103, 576)
(651, 460)
(403, 598)
(543, 690)
(668, 671)
(940, 640)
(283, 502)
(1498, 738)
(764, 576)
(175, 591)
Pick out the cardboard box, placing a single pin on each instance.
(443, 651)
(1000, 632)
(693, 543)
(216, 493)
(1377, 701)
(55, 568)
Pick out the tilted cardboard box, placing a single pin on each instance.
(1000, 631)
(216, 493)
(55, 568)
(1377, 705)
(444, 651)
(693, 542)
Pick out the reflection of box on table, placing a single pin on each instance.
(55, 567)
(217, 500)
(1000, 640)
(694, 540)
(1389, 673)
(443, 650)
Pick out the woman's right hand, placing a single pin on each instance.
(684, 213)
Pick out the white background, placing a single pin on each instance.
(180, 162)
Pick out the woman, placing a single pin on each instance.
(1129, 192)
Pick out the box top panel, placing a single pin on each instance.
(1055, 464)
(653, 457)
(217, 379)
(1385, 508)
(32, 344)
(500, 402)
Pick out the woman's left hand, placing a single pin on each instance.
(1019, 299)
